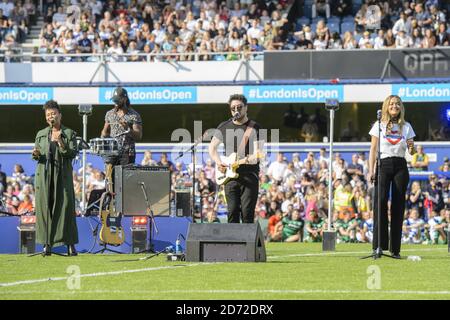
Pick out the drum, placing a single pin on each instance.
(105, 146)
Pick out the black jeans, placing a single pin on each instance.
(241, 195)
(395, 175)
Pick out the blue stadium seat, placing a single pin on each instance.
(334, 19)
(333, 27)
(308, 11)
(317, 19)
(373, 35)
(309, 2)
(347, 26)
(348, 19)
(313, 27)
(303, 20)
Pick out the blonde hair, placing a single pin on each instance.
(386, 117)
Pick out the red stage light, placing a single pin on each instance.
(139, 221)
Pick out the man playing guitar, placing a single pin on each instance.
(240, 137)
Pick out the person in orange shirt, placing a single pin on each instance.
(274, 229)
(26, 205)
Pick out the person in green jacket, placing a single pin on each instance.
(55, 195)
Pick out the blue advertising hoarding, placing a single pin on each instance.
(293, 93)
(22, 95)
(154, 95)
(422, 92)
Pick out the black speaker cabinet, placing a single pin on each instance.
(138, 240)
(129, 184)
(27, 240)
(183, 203)
(225, 242)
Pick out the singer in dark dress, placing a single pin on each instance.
(55, 196)
(241, 193)
(396, 137)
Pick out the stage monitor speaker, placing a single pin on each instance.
(27, 240)
(130, 199)
(138, 240)
(226, 242)
(183, 203)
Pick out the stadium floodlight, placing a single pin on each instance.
(329, 235)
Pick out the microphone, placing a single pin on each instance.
(378, 114)
(52, 123)
(236, 116)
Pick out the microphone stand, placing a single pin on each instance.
(181, 154)
(378, 253)
(49, 158)
(151, 220)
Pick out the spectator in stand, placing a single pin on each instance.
(165, 162)
(415, 198)
(402, 24)
(416, 38)
(341, 8)
(314, 227)
(321, 8)
(277, 168)
(379, 41)
(402, 40)
(443, 37)
(274, 227)
(420, 160)
(366, 42)
(292, 227)
(429, 40)
(433, 196)
(349, 41)
(435, 228)
(3, 181)
(413, 228)
(389, 39)
(26, 206)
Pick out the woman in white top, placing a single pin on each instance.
(396, 136)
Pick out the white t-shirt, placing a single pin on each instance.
(393, 145)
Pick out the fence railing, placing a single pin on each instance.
(19, 56)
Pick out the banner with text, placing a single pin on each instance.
(153, 95)
(422, 92)
(280, 94)
(25, 95)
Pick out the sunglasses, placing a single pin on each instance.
(237, 108)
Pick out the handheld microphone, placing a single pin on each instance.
(52, 123)
(236, 116)
(378, 114)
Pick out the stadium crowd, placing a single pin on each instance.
(221, 30)
(16, 17)
(293, 199)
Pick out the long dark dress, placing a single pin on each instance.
(62, 219)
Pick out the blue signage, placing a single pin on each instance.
(153, 95)
(422, 92)
(25, 95)
(293, 93)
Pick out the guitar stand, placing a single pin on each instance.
(106, 249)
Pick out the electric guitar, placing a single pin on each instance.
(111, 232)
(233, 163)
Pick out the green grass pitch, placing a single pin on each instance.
(292, 271)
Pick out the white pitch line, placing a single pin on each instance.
(345, 252)
(98, 274)
(271, 291)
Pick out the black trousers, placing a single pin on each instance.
(395, 175)
(241, 195)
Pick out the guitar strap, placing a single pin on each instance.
(246, 136)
